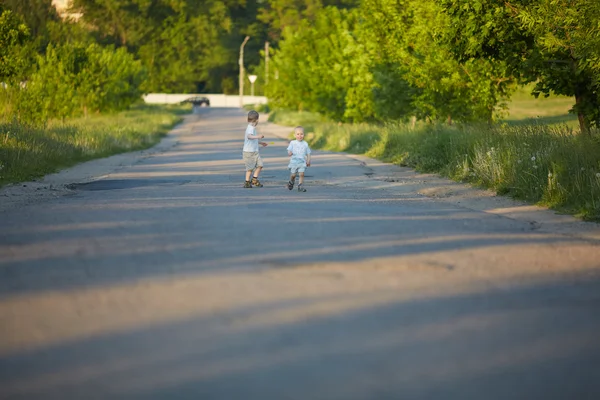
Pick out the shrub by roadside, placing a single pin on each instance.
(29, 152)
(548, 165)
(261, 108)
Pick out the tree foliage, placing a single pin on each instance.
(322, 66)
(415, 71)
(37, 15)
(555, 43)
(386, 60)
(13, 35)
(178, 41)
(73, 80)
(279, 15)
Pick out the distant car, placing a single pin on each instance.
(197, 101)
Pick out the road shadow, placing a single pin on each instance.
(368, 345)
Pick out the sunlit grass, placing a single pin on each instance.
(524, 109)
(28, 152)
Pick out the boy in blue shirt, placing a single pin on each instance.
(300, 158)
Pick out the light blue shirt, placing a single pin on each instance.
(299, 151)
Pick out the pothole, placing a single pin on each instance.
(120, 184)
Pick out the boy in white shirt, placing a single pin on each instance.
(300, 152)
(250, 152)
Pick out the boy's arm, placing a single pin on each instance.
(254, 135)
(307, 156)
(289, 149)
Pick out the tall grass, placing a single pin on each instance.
(28, 152)
(545, 164)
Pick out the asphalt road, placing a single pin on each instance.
(168, 280)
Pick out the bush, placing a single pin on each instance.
(261, 108)
(76, 80)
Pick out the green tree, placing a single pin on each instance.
(74, 79)
(414, 68)
(281, 14)
(122, 22)
(555, 43)
(13, 35)
(180, 42)
(181, 54)
(111, 80)
(37, 15)
(322, 66)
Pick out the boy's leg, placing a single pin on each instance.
(301, 182)
(255, 181)
(249, 164)
(290, 184)
(259, 166)
(247, 183)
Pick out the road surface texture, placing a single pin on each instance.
(165, 279)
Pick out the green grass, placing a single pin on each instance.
(29, 152)
(524, 109)
(541, 163)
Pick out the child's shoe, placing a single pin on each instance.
(256, 182)
(290, 185)
(247, 184)
(301, 188)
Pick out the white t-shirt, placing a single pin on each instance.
(299, 151)
(250, 145)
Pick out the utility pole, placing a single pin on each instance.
(241, 62)
(266, 63)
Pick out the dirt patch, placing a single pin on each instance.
(438, 192)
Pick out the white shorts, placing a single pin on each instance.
(297, 167)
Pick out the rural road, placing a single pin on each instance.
(165, 279)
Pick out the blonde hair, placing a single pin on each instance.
(298, 128)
